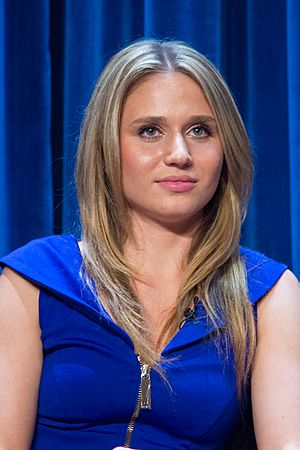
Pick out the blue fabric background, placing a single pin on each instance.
(52, 54)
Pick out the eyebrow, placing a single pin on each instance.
(149, 119)
(162, 120)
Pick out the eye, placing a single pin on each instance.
(149, 132)
(200, 131)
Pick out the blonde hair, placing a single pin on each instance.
(214, 268)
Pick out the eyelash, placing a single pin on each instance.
(142, 131)
(207, 131)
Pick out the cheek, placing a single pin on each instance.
(135, 161)
(212, 164)
(219, 165)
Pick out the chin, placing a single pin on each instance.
(177, 219)
(168, 214)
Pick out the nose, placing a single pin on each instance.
(178, 152)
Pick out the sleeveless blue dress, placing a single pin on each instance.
(91, 376)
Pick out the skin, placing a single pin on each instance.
(20, 360)
(167, 129)
(163, 223)
(276, 373)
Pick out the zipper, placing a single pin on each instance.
(143, 400)
(145, 385)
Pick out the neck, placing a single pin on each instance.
(157, 249)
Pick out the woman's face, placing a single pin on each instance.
(171, 152)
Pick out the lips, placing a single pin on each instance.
(177, 184)
(182, 178)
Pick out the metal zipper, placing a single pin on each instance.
(143, 400)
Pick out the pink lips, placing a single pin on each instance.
(177, 183)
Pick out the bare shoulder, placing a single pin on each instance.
(18, 293)
(287, 282)
(287, 285)
(19, 308)
(281, 304)
(17, 280)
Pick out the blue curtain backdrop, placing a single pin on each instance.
(53, 52)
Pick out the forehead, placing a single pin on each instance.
(165, 92)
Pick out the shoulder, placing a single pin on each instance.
(275, 284)
(39, 254)
(53, 263)
(11, 280)
(18, 303)
(281, 307)
(28, 268)
(43, 248)
(262, 273)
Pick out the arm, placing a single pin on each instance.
(20, 360)
(276, 372)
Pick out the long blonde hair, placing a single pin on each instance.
(213, 265)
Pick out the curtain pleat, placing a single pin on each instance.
(293, 71)
(4, 188)
(267, 124)
(27, 108)
(198, 23)
(53, 53)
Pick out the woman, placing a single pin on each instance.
(148, 326)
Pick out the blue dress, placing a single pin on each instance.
(91, 376)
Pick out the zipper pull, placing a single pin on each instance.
(145, 386)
